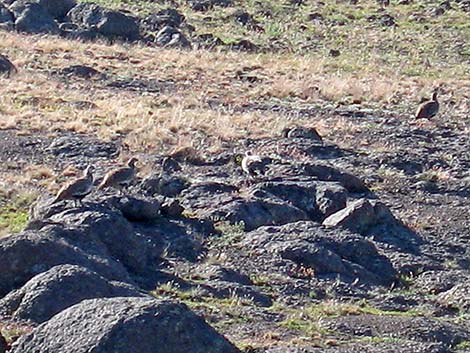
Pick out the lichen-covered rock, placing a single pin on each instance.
(362, 215)
(26, 254)
(57, 8)
(171, 37)
(124, 325)
(167, 17)
(326, 173)
(60, 287)
(256, 212)
(221, 202)
(330, 254)
(35, 19)
(357, 216)
(6, 17)
(103, 225)
(3, 344)
(138, 209)
(317, 199)
(6, 66)
(111, 24)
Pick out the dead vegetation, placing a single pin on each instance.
(205, 96)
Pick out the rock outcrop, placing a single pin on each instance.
(58, 288)
(128, 325)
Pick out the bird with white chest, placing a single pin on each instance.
(253, 164)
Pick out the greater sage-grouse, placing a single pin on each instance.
(428, 109)
(253, 164)
(77, 189)
(120, 177)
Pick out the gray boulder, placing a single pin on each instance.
(157, 20)
(26, 254)
(171, 37)
(360, 215)
(6, 66)
(77, 148)
(3, 344)
(220, 201)
(327, 173)
(124, 325)
(357, 216)
(273, 202)
(328, 253)
(35, 19)
(6, 17)
(58, 288)
(109, 23)
(138, 209)
(316, 199)
(57, 8)
(103, 225)
(255, 212)
(17, 7)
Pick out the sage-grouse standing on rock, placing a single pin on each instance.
(429, 108)
(253, 165)
(6, 66)
(120, 177)
(77, 189)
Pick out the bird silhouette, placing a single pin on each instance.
(77, 189)
(429, 108)
(117, 178)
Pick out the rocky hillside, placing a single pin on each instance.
(355, 236)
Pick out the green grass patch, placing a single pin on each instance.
(219, 312)
(306, 320)
(14, 210)
(463, 346)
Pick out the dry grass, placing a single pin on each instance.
(35, 100)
